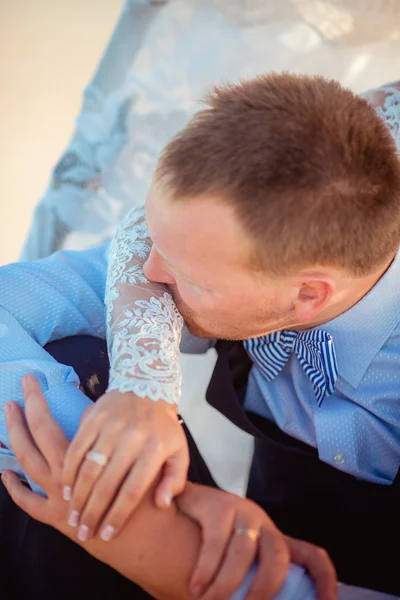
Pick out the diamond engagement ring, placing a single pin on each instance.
(253, 534)
(97, 457)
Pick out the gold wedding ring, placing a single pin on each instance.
(253, 534)
(97, 457)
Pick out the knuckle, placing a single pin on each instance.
(106, 489)
(316, 555)
(115, 426)
(281, 560)
(57, 484)
(99, 416)
(89, 471)
(58, 464)
(18, 500)
(278, 548)
(137, 437)
(157, 445)
(255, 507)
(282, 554)
(222, 506)
(24, 459)
(322, 554)
(89, 518)
(259, 514)
(36, 423)
(217, 520)
(133, 495)
(72, 458)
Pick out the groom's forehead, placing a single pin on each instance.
(202, 232)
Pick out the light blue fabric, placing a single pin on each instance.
(357, 428)
(49, 299)
(297, 586)
(40, 302)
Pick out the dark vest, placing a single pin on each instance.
(358, 522)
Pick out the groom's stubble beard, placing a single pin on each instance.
(188, 316)
(225, 330)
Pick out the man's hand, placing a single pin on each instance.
(140, 439)
(42, 458)
(235, 532)
(41, 451)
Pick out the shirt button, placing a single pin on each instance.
(339, 458)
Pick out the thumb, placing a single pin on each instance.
(173, 479)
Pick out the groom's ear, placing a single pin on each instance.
(314, 293)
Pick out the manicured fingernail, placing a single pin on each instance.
(4, 478)
(168, 500)
(73, 518)
(67, 493)
(107, 533)
(83, 533)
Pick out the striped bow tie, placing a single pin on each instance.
(314, 349)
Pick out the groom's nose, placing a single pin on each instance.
(156, 270)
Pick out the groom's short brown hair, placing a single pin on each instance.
(310, 168)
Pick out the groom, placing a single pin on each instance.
(302, 241)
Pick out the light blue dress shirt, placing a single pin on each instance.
(357, 428)
(42, 301)
(49, 299)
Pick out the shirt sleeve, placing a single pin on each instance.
(143, 324)
(43, 301)
(298, 584)
(144, 327)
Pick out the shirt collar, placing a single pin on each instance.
(360, 332)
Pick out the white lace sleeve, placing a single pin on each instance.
(144, 326)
